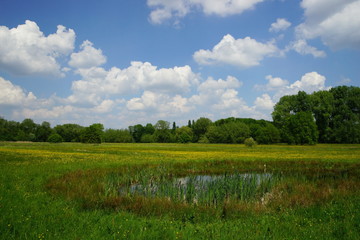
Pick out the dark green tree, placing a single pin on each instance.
(43, 132)
(301, 129)
(162, 133)
(136, 132)
(27, 130)
(267, 134)
(117, 136)
(69, 132)
(189, 124)
(147, 138)
(200, 127)
(345, 121)
(92, 134)
(323, 110)
(149, 129)
(184, 134)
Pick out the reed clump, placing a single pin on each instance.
(221, 189)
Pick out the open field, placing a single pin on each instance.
(79, 191)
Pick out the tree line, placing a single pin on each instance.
(331, 116)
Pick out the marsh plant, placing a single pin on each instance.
(206, 190)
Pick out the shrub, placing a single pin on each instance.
(55, 138)
(250, 142)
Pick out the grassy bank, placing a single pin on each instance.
(70, 191)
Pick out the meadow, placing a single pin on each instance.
(179, 191)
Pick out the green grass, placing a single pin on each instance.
(70, 191)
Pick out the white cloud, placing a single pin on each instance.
(281, 24)
(88, 56)
(14, 95)
(274, 83)
(105, 106)
(134, 79)
(301, 46)
(336, 22)
(244, 53)
(220, 99)
(164, 9)
(264, 102)
(56, 112)
(159, 104)
(213, 85)
(25, 50)
(310, 82)
(211, 90)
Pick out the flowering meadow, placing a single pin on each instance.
(179, 191)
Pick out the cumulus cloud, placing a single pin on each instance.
(244, 53)
(88, 56)
(310, 82)
(163, 10)
(211, 90)
(274, 83)
(281, 24)
(336, 22)
(134, 79)
(56, 112)
(220, 98)
(264, 102)
(105, 106)
(301, 46)
(162, 104)
(25, 50)
(14, 95)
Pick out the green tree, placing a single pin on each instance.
(200, 127)
(137, 131)
(117, 136)
(43, 132)
(189, 124)
(323, 109)
(27, 130)
(301, 129)
(345, 120)
(149, 129)
(8, 130)
(184, 134)
(214, 134)
(162, 133)
(69, 132)
(92, 134)
(147, 138)
(267, 134)
(230, 132)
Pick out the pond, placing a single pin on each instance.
(205, 189)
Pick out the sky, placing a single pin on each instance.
(127, 62)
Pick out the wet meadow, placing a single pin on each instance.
(179, 191)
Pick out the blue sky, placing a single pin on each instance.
(126, 62)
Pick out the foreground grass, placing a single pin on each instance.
(29, 210)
